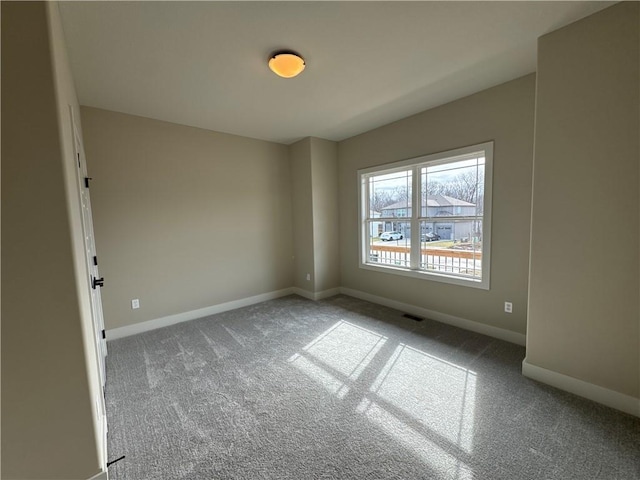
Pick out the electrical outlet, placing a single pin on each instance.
(508, 307)
(308, 277)
(135, 303)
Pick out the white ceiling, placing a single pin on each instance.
(204, 64)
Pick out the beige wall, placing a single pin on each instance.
(302, 204)
(583, 300)
(185, 218)
(48, 376)
(503, 114)
(326, 225)
(314, 174)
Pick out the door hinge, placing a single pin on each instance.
(95, 260)
(104, 335)
(86, 181)
(97, 282)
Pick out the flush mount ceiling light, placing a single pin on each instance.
(286, 64)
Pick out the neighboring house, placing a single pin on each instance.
(437, 206)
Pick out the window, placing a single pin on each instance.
(429, 217)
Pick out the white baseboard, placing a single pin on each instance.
(500, 333)
(610, 398)
(136, 328)
(316, 295)
(141, 327)
(100, 476)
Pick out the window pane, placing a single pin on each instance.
(392, 246)
(452, 189)
(445, 249)
(390, 194)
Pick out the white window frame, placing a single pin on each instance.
(484, 149)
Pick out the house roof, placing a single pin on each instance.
(444, 201)
(433, 201)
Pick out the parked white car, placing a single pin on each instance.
(386, 236)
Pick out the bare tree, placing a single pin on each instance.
(465, 186)
(401, 194)
(436, 188)
(380, 199)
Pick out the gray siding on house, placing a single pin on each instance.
(437, 206)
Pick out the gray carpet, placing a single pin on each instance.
(344, 389)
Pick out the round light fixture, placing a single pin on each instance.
(286, 64)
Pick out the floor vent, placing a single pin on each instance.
(412, 317)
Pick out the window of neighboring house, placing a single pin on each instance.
(445, 231)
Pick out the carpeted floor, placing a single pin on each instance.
(345, 389)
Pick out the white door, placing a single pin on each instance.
(94, 279)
